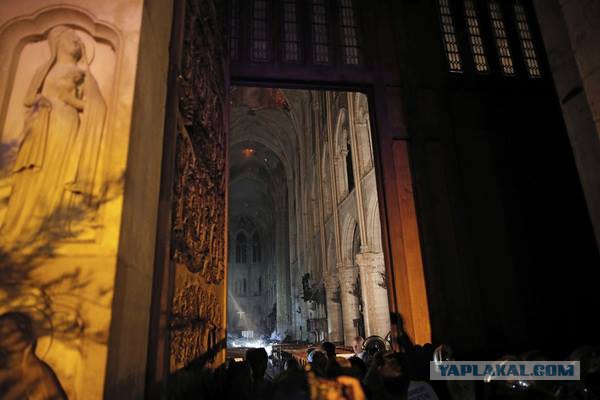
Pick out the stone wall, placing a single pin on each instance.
(81, 144)
(571, 32)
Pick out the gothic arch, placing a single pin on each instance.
(348, 229)
(331, 253)
(35, 27)
(374, 225)
(257, 247)
(341, 152)
(363, 133)
(340, 141)
(241, 247)
(262, 132)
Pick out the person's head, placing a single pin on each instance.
(68, 45)
(16, 332)
(358, 366)
(393, 371)
(257, 359)
(238, 380)
(329, 349)
(291, 364)
(291, 385)
(318, 362)
(373, 345)
(357, 344)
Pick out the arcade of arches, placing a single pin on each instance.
(305, 255)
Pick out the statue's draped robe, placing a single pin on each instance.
(53, 175)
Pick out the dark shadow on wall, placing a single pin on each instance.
(49, 300)
(23, 375)
(195, 381)
(52, 302)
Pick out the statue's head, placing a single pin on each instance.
(65, 41)
(16, 332)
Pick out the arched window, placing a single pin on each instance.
(349, 168)
(291, 36)
(501, 37)
(349, 32)
(234, 29)
(529, 52)
(241, 249)
(256, 249)
(320, 37)
(343, 157)
(449, 36)
(260, 31)
(475, 39)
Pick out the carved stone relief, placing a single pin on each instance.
(61, 105)
(52, 134)
(199, 208)
(196, 323)
(198, 237)
(57, 157)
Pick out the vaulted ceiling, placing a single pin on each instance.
(263, 152)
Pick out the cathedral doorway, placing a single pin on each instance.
(305, 253)
(279, 216)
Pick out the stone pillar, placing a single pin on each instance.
(582, 20)
(298, 306)
(334, 310)
(348, 275)
(303, 315)
(571, 31)
(283, 295)
(374, 293)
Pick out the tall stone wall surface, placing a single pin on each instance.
(67, 82)
(571, 31)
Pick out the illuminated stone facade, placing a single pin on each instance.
(66, 89)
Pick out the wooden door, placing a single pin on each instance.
(190, 289)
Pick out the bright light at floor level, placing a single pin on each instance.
(251, 343)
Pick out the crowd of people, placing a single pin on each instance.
(376, 373)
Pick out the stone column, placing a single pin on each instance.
(334, 310)
(374, 293)
(283, 295)
(348, 275)
(571, 30)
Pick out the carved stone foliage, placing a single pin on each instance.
(195, 323)
(199, 195)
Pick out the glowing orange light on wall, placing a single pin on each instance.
(248, 152)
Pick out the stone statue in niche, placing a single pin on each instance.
(53, 175)
(23, 375)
